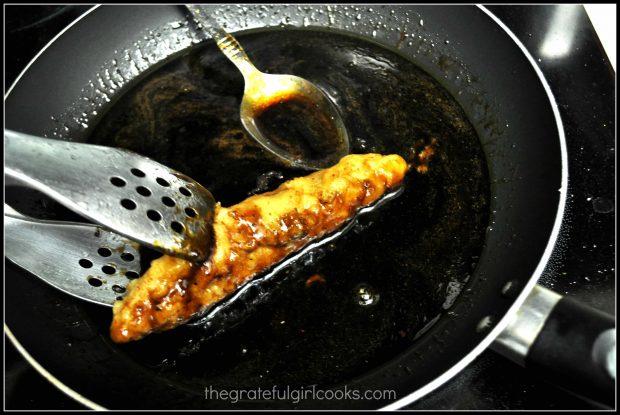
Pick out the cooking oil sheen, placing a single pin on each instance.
(393, 271)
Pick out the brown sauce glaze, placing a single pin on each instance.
(298, 127)
(411, 252)
(249, 238)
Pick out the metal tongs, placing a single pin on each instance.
(126, 193)
(82, 260)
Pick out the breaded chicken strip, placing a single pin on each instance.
(249, 238)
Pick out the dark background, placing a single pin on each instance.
(582, 266)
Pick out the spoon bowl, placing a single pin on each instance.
(289, 116)
(294, 120)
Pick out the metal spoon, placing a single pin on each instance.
(82, 260)
(288, 115)
(119, 189)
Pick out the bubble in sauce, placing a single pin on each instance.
(365, 295)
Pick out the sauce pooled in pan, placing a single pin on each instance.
(384, 281)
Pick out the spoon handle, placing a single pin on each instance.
(224, 40)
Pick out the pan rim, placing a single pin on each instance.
(7, 331)
(48, 376)
(508, 316)
(483, 345)
(47, 45)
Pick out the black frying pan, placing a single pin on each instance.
(521, 138)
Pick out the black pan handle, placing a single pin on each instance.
(569, 343)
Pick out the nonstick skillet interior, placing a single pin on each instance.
(500, 153)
